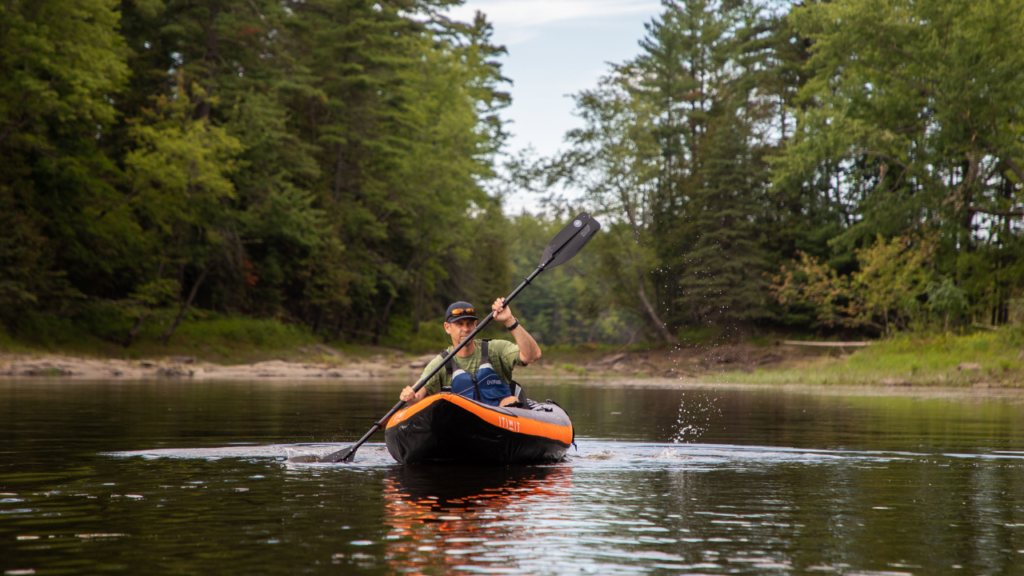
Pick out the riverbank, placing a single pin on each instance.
(47, 365)
(988, 359)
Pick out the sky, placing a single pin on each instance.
(556, 48)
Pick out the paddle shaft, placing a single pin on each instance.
(423, 381)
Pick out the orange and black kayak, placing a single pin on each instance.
(450, 429)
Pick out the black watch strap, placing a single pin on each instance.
(514, 325)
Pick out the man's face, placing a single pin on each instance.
(459, 329)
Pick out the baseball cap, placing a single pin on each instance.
(460, 310)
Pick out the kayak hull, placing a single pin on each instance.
(450, 429)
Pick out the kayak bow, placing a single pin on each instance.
(447, 428)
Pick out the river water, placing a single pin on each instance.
(191, 478)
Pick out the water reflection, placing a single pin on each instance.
(467, 518)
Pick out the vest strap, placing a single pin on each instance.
(484, 357)
(447, 362)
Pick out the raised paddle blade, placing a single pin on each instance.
(569, 241)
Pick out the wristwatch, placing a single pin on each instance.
(514, 325)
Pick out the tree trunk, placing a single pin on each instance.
(136, 329)
(339, 329)
(632, 339)
(319, 320)
(188, 304)
(210, 57)
(655, 319)
(134, 333)
(382, 321)
(594, 326)
(417, 307)
(339, 164)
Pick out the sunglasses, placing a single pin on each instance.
(460, 311)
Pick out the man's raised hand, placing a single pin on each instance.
(502, 313)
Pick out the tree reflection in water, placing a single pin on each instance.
(462, 516)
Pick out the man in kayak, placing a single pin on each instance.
(460, 321)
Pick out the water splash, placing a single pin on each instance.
(695, 418)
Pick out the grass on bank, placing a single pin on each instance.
(99, 331)
(205, 335)
(990, 357)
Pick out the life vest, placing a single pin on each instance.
(485, 386)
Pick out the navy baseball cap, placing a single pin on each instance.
(460, 310)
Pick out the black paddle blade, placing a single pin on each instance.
(569, 241)
(343, 455)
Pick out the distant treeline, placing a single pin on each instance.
(843, 165)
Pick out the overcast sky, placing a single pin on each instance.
(556, 48)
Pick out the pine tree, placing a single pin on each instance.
(696, 72)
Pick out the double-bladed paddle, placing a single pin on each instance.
(566, 244)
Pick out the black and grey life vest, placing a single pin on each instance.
(485, 386)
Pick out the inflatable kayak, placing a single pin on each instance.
(447, 428)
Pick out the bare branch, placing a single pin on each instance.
(1007, 213)
(1013, 166)
(899, 163)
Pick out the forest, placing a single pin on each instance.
(826, 168)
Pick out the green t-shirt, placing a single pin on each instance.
(504, 356)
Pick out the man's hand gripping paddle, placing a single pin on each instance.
(566, 244)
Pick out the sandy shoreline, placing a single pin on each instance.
(25, 366)
(612, 371)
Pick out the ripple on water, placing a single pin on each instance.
(610, 508)
(596, 453)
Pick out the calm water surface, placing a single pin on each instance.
(187, 478)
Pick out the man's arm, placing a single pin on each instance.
(410, 397)
(529, 351)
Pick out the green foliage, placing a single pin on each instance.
(884, 293)
(241, 332)
(180, 179)
(700, 334)
(59, 62)
(320, 161)
(945, 298)
(614, 157)
(573, 303)
(912, 114)
(700, 61)
(672, 154)
(97, 329)
(326, 163)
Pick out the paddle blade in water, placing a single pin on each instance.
(343, 455)
(569, 241)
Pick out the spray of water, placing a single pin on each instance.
(696, 414)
